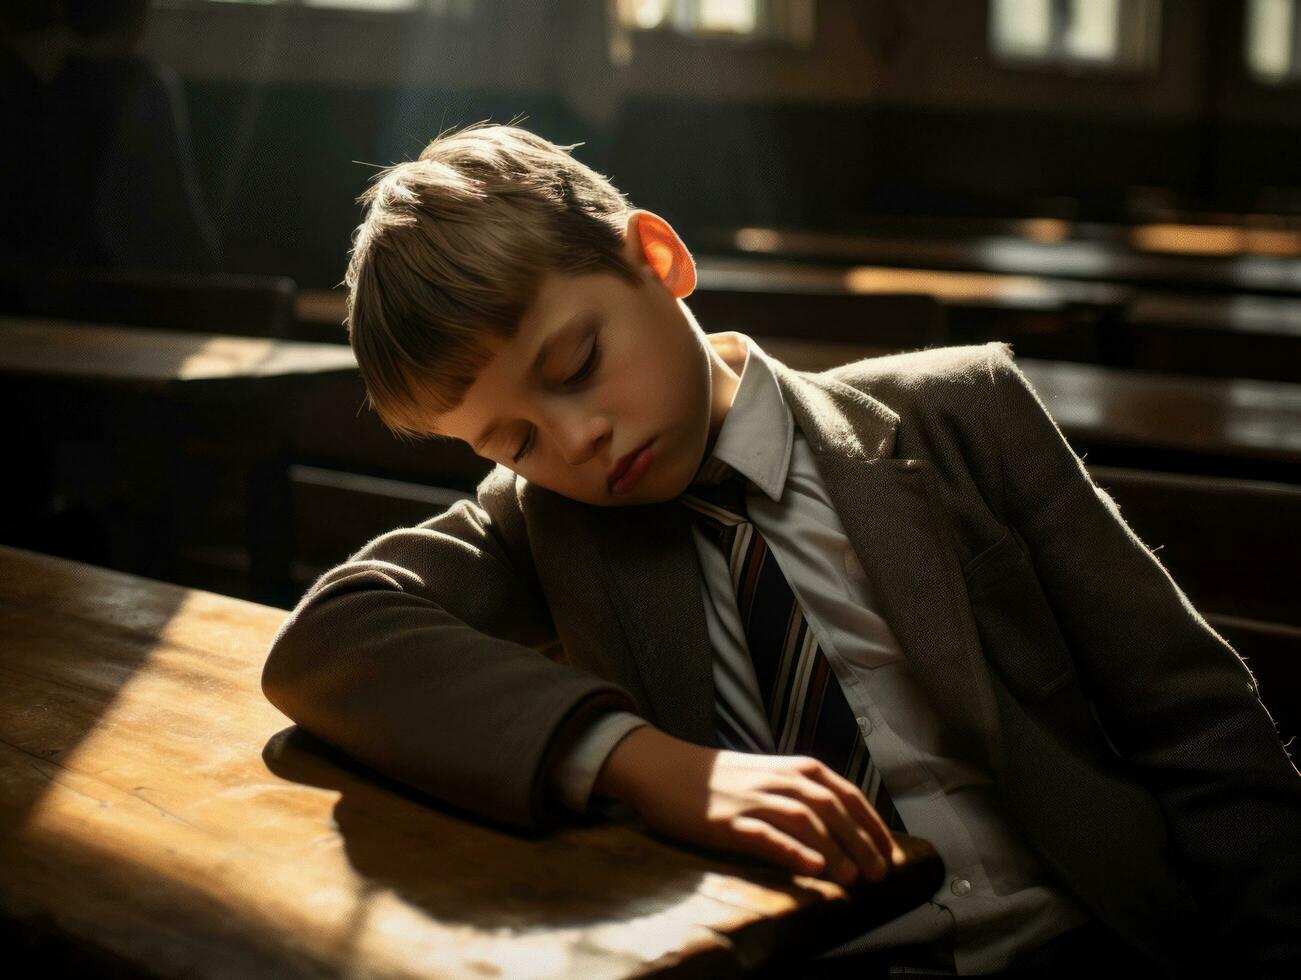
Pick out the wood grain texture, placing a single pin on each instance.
(97, 352)
(154, 807)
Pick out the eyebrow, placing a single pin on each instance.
(581, 318)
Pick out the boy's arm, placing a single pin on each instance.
(1176, 699)
(419, 657)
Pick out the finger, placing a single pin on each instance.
(761, 839)
(863, 812)
(797, 818)
(853, 838)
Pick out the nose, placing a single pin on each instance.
(579, 436)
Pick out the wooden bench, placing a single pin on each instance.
(159, 817)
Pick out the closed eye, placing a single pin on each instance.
(583, 373)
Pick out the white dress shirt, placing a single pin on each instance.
(997, 900)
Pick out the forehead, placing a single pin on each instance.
(559, 317)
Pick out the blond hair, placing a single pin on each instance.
(453, 248)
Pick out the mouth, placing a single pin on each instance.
(624, 474)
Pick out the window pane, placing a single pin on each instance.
(739, 16)
(645, 14)
(1269, 38)
(1022, 27)
(1094, 29)
(364, 4)
(1101, 33)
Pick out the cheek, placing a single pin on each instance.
(667, 387)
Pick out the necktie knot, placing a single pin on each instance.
(722, 502)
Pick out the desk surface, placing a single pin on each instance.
(97, 352)
(1227, 417)
(155, 809)
(1001, 253)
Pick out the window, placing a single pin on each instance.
(1105, 34)
(779, 20)
(1273, 41)
(453, 8)
(363, 4)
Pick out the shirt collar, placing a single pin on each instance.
(756, 435)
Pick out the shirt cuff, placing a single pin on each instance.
(576, 770)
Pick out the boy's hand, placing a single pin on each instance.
(791, 810)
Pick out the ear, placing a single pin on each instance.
(650, 240)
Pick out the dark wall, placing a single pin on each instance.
(284, 164)
(286, 203)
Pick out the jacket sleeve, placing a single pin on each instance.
(420, 656)
(1175, 698)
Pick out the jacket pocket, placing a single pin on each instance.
(1017, 628)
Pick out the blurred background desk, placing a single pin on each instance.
(146, 401)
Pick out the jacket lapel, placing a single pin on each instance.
(654, 576)
(897, 527)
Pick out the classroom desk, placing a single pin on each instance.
(150, 359)
(1209, 426)
(1106, 323)
(1169, 232)
(159, 816)
(1066, 258)
(158, 394)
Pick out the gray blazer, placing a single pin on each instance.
(1126, 736)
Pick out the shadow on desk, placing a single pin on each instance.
(493, 882)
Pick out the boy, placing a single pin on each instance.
(691, 564)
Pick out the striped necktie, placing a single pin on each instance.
(806, 709)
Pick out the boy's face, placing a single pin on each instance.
(620, 367)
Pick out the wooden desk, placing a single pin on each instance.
(1221, 336)
(157, 395)
(1210, 426)
(997, 253)
(1105, 323)
(149, 359)
(158, 815)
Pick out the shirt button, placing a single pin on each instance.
(961, 886)
(865, 724)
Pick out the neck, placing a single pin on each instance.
(727, 356)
